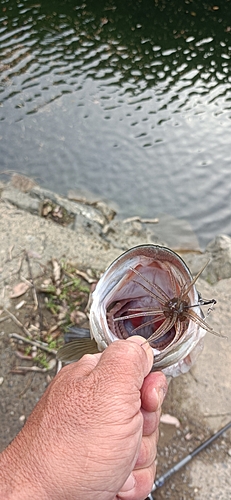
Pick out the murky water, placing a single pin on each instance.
(130, 100)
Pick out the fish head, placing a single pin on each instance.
(149, 291)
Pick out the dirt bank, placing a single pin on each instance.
(88, 239)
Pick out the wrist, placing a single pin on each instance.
(19, 479)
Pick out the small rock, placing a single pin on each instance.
(52, 364)
(108, 212)
(20, 304)
(21, 200)
(22, 418)
(46, 209)
(229, 452)
(220, 265)
(1, 380)
(124, 235)
(91, 213)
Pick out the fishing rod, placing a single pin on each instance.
(160, 482)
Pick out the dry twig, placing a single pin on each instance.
(85, 276)
(33, 342)
(136, 218)
(36, 301)
(25, 369)
(4, 318)
(17, 322)
(26, 386)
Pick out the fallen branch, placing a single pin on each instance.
(23, 356)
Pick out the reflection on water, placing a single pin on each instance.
(130, 100)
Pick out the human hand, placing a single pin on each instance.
(93, 434)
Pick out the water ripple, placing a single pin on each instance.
(151, 66)
(68, 40)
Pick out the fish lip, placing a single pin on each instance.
(156, 252)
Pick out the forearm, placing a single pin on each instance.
(18, 480)
(30, 468)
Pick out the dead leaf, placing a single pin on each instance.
(46, 210)
(169, 419)
(56, 270)
(57, 212)
(188, 436)
(62, 312)
(19, 290)
(59, 215)
(85, 276)
(77, 317)
(56, 209)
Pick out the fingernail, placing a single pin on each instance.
(129, 484)
(161, 394)
(146, 347)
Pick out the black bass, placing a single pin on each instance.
(147, 291)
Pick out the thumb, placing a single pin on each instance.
(147, 349)
(131, 358)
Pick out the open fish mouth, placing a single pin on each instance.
(147, 291)
(129, 318)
